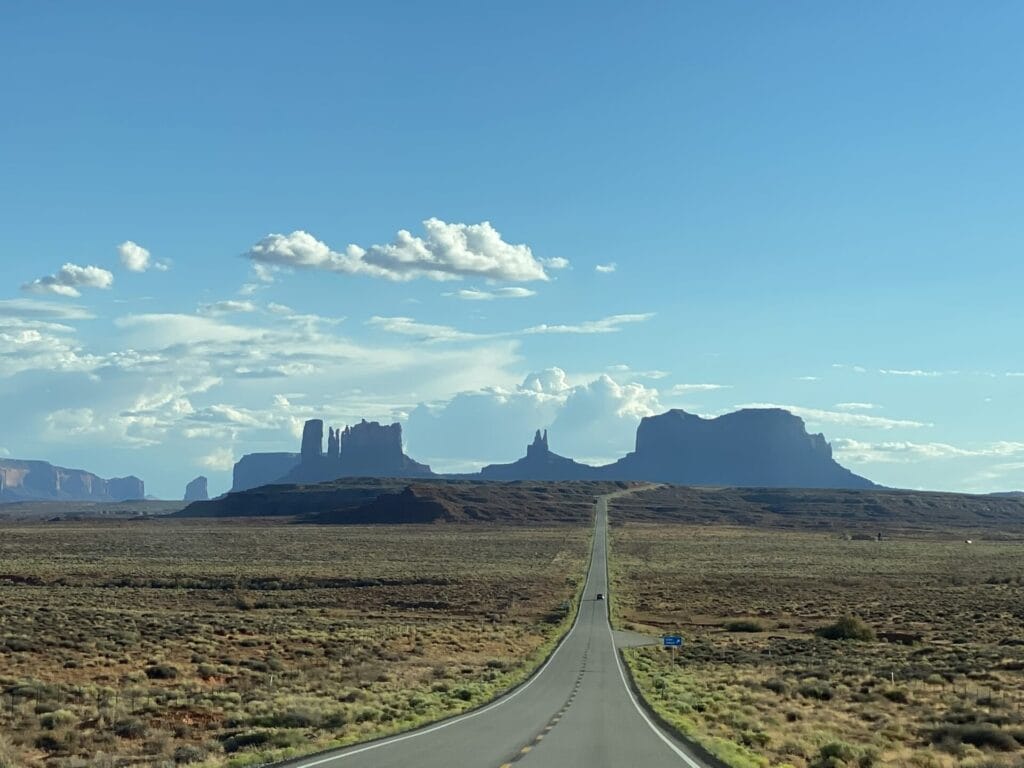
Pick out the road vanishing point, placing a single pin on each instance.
(576, 710)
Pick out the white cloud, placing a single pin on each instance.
(1015, 374)
(447, 251)
(808, 378)
(227, 307)
(916, 373)
(68, 280)
(158, 331)
(134, 257)
(610, 324)
(475, 294)
(605, 269)
(857, 406)
(406, 326)
(33, 308)
(819, 416)
(4, 451)
(596, 420)
(220, 459)
(556, 262)
(682, 389)
(902, 451)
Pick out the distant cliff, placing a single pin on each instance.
(256, 469)
(767, 448)
(539, 464)
(42, 481)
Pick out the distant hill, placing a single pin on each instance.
(53, 511)
(1009, 494)
(293, 500)
(874, 511)
(41, 481)
(369, 501)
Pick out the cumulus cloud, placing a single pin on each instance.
(556, 262)
(606, 269)
(594, 421)
(134, 257)
(445, 252)
(69, 279)
(821, 416)
(475, 294)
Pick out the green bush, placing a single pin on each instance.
(848, 628)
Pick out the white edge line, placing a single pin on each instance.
(493, 705)
(622, 675)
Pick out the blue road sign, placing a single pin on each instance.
(671, 641)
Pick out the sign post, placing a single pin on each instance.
(672, 642)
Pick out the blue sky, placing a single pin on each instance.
(803, 204)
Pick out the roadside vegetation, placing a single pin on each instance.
(212, 643)
(824, 650)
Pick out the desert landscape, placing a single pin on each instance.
(162, 642)
(824, 648)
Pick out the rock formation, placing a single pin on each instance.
(762, 447)
(312, 440)
(539, 464)
(366, 449)
(256, 469)
(42, 481)
(755, 447)
(197, 490)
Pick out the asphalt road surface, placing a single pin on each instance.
(576, 711)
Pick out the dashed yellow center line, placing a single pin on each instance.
(524, 750)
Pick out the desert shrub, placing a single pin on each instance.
(848, 628)
(896, 695)
(816, 689)
(775, 685)
(162, 672)
(131, 728)
(981, 735)
(56, 719)
(9, 756)
(745, 625)
(189, 753)
(835, 752)
(244, 740)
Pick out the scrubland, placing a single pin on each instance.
(209, 643)
(825, 650)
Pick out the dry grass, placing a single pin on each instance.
(760, 683)
(166, 642)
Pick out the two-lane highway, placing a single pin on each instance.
(577, 710)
